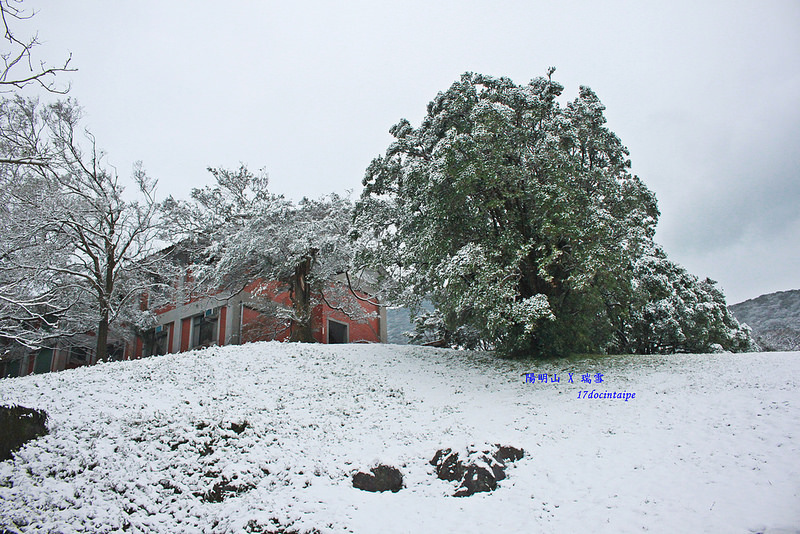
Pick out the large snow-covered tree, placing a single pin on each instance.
(519, 219)
(510, 212)
(77, 251)
(237, 231)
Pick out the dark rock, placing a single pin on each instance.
(448, 467)
(439, 455)
(479, 471)
(498, 468)
(19, 425)
(506, 453)
(383, 478)
(477, 478)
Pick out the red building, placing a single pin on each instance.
(257, 313)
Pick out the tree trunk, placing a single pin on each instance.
(101, 351)
(104, 299)
(300, 294)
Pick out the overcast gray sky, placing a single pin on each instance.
(706, 95)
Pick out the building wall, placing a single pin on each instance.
(46, 360)
(367, 331)
(250, 316)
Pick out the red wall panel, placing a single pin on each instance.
(186, 325)
(223, 315)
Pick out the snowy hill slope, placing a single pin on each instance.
(774, 318)
(265, 438)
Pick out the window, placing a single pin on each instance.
(116, 352)
(156, 342)
(43, 361)
(78, 356)
(204, 331)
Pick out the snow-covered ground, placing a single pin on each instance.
(265, 438)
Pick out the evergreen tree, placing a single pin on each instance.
(517, 217)
(674, 311)
(509, 212)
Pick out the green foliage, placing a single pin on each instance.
(674, 311)
(509, 212)
(519, 220)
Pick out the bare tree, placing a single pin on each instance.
(19, 69)
(93, 245)
(37, 304)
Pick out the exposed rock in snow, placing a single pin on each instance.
(380, 478)
(19, 425)
(478, 471)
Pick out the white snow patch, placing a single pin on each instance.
(270, 434)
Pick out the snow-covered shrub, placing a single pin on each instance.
(673, 311)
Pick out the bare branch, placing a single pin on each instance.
(353, 291)
(18, 70)
(38, 162)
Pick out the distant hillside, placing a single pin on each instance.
(397, 322)
(774, 318)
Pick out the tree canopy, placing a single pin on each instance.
(241, 232)
(76, 253)
(517, 216)
(672, 310)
